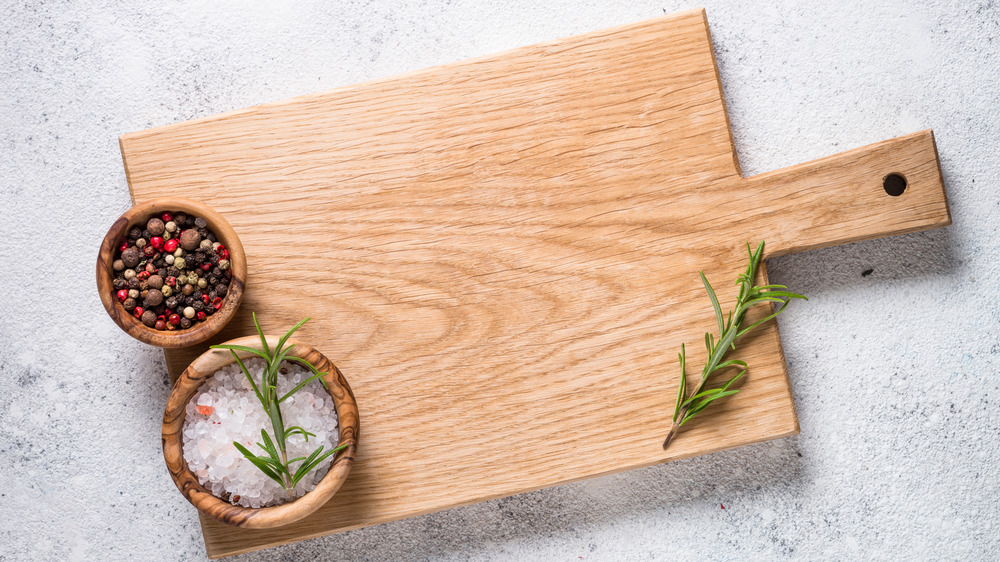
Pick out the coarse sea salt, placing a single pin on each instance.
(225, 409)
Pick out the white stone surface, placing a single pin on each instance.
(895, 373)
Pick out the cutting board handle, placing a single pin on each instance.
(846, 197)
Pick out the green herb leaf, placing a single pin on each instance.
(249, 378)
(263, 340)
(682, 387)
(262, 465)
(297, 430)
(289, 333)
(231, 347)
(311, 367)
(308, 466)
(300, 385)
(715, 301)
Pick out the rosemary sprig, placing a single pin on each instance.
(687, 405)
(275, 462)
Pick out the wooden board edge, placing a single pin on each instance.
(697, 12)
(722, 95)
(128, 173)
(776, 335)
(217, 553)
(944, 194)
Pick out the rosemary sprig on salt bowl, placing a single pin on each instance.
(250, 435)
(275, 464)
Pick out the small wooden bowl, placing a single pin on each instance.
(138, 216)
(265, 517)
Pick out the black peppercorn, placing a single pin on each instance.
(130, 257)
(155, 227)
(190, 239)
(153, 297)
(193, 256)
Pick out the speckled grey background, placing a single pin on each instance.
(894, 372)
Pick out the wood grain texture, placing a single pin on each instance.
(138, 216)
(502, 255)
(269, 517)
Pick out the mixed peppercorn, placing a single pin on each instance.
(173, 273)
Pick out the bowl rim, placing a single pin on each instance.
(133, 326)
(188, 383)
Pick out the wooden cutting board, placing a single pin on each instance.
(502, 257)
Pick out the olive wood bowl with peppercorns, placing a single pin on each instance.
(260, 517)
(202, 327)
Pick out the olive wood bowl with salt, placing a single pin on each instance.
(201, 331)
(262, 517)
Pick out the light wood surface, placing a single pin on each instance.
(138, 215)
(262, 518)
(502, 256)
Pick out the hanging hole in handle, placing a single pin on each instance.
(894, 184)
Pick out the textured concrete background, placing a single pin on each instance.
(895, 373)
